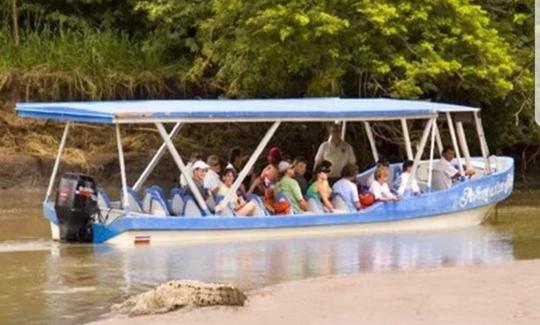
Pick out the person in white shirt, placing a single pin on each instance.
(444, 173)
(379, 188)
(336, 151)
(211, 180)
(195, 156)
(382, 162)
(404, 179)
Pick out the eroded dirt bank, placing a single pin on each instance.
(24, 171)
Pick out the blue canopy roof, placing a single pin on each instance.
(235, 110)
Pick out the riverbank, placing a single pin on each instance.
(499, 294)
(25, 171)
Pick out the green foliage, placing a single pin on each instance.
(510, 120)
(80, 64)
(443, 50)
(476, 52)
(76, 15)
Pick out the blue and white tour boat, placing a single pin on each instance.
(81, 211)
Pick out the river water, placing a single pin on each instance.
(43, 282)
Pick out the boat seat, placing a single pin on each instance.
(161, 193)
(339, 202)
(146, 201)
(177, 201)
(134, 204)
(191, 209)
(314, 204)
(157, 205)
(103, 200)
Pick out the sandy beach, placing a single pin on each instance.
(500, 294)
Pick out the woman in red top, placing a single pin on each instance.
(268, 177)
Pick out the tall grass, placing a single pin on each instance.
(84, 64)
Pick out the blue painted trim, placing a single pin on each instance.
(64, 114)
(49, 212)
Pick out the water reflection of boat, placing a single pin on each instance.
(259, 263)
(466, 203)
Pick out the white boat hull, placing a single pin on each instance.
(460, 219)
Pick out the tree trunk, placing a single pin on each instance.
(15, 22)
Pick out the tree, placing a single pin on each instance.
(15, 23)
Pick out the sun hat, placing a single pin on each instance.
(199, 164)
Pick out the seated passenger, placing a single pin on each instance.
(265, 182)
(300, 166)
(200, 168)
(211, 180)
(289, 186)
(347, 188)
(382, 162)
(404, 178)
(320, 187)
(235, 157)
(444, 173)
(379, 188)
(239, 205)
(196, 155)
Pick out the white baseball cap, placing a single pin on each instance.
(283, 166)
(199, 164)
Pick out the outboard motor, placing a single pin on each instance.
(75, 205)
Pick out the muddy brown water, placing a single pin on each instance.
(43, 282)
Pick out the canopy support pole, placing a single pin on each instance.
(431, 153)
(483, 143)
(371, 142)
(454, 141)
(249, 164)
(125, 201)
(438, 139)
(420, 151)
(156, 158)
(57, 161)
(408, 146)
(343, 129)
(463, 143)
(183, 169)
